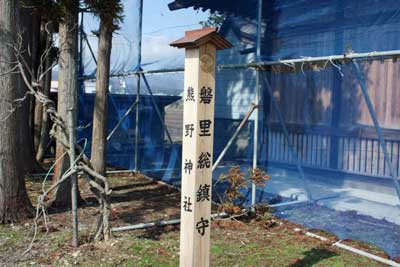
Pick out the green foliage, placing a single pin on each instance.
(215, 19)
(52, 10)
(110, 12)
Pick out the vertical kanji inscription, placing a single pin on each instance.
(197, 143)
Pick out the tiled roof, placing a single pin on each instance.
(235, 7)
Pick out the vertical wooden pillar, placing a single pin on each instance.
(197, 144)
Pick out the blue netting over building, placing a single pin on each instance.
(318, 137)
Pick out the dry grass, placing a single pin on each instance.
(137, 199)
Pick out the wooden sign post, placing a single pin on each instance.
(197, 145)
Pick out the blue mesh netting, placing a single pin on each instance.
(330, 131)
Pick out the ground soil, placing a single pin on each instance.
(137, 199)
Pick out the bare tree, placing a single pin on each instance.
(98, 183)
(14, 202)
(109, 12)
(38, 112)
(29, 28)
(67, 90)
(47, 30)
(48, 14)
(100, 111)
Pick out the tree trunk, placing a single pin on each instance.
(29, 30)
(36, 47)
(14, 202)
(43, 122)
(99, 134)
(38, 112)
(67, 94)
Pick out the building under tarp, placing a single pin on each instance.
(320, 84)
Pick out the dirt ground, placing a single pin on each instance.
(139, 199)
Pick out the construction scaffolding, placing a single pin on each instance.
(319, 168)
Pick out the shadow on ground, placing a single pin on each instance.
(313, 256)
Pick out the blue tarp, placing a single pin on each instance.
(121, 146)
(322, 108)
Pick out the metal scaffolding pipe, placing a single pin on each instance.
(298, 202)
(286, 134)
(224, 215)
(139, 63)
(137, 124)
(81, 47)
(136, 72)
(355, 250)
(156, 108)
(108, 172)
(255, 137)
(122, 120)
(230, 142)
(359, 56)
(146, 225)
(290, 203)
(140, 28)
(258, 99)
(89, 46)
(288, 62)
(366, 254)
(160, 223)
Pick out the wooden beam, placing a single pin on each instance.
(197, 144)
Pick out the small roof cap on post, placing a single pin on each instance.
(196, 38)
